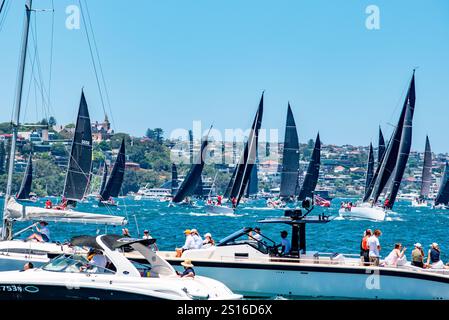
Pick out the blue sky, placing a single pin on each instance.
(169, 62)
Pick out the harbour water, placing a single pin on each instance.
(408, 225)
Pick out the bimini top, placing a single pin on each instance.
(112, 241)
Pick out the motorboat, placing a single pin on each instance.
(253, 267)
(363, 211)
(74, 277)
(419, 203)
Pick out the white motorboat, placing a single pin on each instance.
(419, 203)
(254, 268)
(73, 277)
(363, 211)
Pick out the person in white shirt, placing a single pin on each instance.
(146, 235)
(190, 242)
(256, 234)
(374, 247)
(396, 257)
(197, 239)
(42, 233)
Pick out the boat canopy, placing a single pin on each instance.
(16, 211)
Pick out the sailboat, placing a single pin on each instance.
(114, 183)
(242, 172)
(290, 164)
(253, 184)
(75, 185)
(192, 182)
(426, 179)
(391, 167)
(312, 174)
(24, 193)
(442, 198)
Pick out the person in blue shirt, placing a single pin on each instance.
(285, 243)
(188, 269)
(42, 233)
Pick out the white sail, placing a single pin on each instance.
(18, 212)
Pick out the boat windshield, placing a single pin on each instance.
(245, 236)
(74, 264)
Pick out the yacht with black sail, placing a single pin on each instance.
(442, 198)
(24, 194)
(426, 178)
(243, 170)
(391, 168)
(14, 252)
(74, 277)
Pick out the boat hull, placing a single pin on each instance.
(294, 280)
(218, 209)
(361, 212)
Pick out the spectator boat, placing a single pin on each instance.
(253, 267)
(73, 277)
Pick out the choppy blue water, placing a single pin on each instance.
(408, 225)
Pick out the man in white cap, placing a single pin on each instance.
(418, 256)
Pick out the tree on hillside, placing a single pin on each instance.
(51, 121)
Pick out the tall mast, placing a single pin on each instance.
(6, 230)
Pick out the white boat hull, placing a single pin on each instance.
(363, 212)
(417, 204)
(218, 209)
(326, 282)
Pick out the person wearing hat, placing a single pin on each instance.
(196, 238)
(418, 256)
(285, 244)
(188, 269)
(208, 241)
(433, 257)
(42, 233)
(190, 242)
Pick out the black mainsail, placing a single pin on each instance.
(190, 183)
(396, 151)
(253, 184)
(25, 187)
(370, 168)
(443, 192)
(313, 172)
(406, 142)
(247, 161)
(381, 148)
(174, 179)
(426, 171)
(290, 158)
(78, 171)
(115, 180)
(104, 178)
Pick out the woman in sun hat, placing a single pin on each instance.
(188, 269)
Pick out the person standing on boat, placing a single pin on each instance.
(42, 233)
(285, 244)
(418, 256)
(387, 204)
(146, 235)
(364, 248)
(234, 202)
(219, 200)
(374, 248)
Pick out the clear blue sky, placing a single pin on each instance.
(170, 62)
